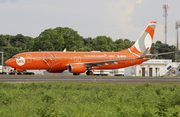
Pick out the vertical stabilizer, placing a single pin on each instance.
(144, 41)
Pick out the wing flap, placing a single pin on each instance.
(99, 63)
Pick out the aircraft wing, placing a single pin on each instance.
(150, 55)
(98, 63)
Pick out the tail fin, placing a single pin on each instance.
(144, 41)
(64, 49)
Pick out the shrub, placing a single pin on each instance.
(5, 98)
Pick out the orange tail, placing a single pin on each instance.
(144, 41)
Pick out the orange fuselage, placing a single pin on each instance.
(60, 60)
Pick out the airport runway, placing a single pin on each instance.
(85, 79)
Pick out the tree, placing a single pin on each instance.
(159, 47)
(119, 43)
(102, 43)
(127, 43)
(21, 41)
(122, 44)
(72, 40)
(58, 39)
(10, 51)
(2, 40)
(12, 45)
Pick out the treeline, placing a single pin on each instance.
(12, 45)
(59, 38)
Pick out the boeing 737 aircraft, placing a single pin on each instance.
(81, 62)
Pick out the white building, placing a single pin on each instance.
(150, 68)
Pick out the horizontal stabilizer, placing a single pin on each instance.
(144, 54)
(150, 55)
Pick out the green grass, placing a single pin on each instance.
(89, 99)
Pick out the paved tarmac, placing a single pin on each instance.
(35, 78)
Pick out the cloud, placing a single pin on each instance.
(90, 18)
(120, 12)
(150, 10)
(122, 9)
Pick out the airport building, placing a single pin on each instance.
(154, 67)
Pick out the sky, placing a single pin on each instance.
(125, 19)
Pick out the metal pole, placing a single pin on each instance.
(177, 51)
(165, 7)
(2, 62)
(177, 46)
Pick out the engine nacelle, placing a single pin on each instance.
(54, 71)
(76, 68)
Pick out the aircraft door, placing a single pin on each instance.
(29, 58)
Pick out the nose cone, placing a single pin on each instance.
(10, 62)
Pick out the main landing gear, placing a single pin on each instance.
(89, 72)
(76, 73)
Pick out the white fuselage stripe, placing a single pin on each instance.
(132, 52)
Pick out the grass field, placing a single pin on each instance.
(89, 99)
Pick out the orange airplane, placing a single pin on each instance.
(81, 62)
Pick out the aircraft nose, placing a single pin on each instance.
(9, 62)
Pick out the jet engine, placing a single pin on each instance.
(54, 71)
(76, 68)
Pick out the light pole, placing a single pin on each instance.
(177, 26)
(165, 7)
(2, 60)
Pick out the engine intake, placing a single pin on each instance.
(76, 68)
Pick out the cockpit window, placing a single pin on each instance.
(16, 57)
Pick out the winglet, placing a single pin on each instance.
(144, 54)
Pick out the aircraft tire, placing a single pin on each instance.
(76, 73)
(19, 73)
(89, 72)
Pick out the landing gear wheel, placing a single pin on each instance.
(4, 73)
(19, 73)
(76, 73)
(89, 73)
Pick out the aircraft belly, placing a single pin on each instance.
(56, 66)
(115, 66)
